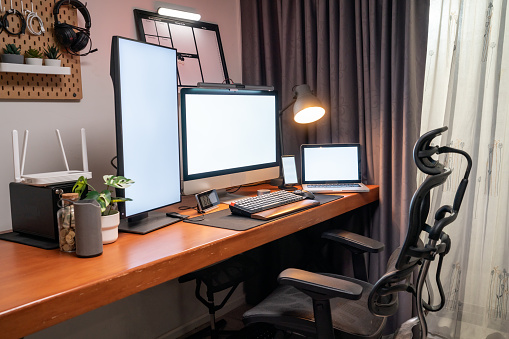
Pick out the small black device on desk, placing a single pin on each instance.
(207, 200)
(271, 205)
(177, 215)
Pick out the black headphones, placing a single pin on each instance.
(73, 38)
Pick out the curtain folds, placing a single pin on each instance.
(466, 89)
(365, 60)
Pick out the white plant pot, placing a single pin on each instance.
(33, 61)
(109, 225)
(53, 62)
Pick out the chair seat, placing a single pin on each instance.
(288, 308)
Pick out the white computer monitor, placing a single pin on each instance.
(229, 138)
(147, 130)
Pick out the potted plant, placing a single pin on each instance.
(52, 54)
(12, 54)
(110, 217)
(33, 57)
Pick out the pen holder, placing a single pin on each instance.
(88, 228)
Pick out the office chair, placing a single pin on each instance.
(327, 306)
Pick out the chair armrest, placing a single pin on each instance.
(320, 286)
(354, 241)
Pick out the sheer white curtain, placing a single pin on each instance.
(467, 89)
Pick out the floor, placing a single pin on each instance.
(234, 329)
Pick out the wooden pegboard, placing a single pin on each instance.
(40, 86)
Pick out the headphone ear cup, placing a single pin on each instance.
(80, 43)
(65, 35)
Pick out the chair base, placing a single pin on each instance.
(207, 331)
(256, 331)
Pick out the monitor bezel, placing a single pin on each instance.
(332, 145)
(115, 76)
(183, 121)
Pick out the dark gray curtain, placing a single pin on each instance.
(365, 60)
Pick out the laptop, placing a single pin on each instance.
(331, 168)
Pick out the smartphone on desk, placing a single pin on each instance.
(207, 201)
(289, 170)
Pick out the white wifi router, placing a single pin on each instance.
(44, 179)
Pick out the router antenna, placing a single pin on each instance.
(15, 152)
(62, 147)
(24, 152)
(84, 150)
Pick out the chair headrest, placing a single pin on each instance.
(423, 152)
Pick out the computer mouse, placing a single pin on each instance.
(305, 194)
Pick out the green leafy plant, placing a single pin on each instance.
(12, 49)
(33, 53)
(52, 52)
(104, 198)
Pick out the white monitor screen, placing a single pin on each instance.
(331, 162)
(227, 131)
(145, 81)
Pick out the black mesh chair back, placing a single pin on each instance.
(329, 306)
(383, 299)
(413, 253)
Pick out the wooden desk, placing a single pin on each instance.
(40, 288)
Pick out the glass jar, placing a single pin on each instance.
(66, 222)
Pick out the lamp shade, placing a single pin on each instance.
(307, 108)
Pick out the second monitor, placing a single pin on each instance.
(229, 138)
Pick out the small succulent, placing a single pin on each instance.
(33, 53)
(12, 49)
(52, 52)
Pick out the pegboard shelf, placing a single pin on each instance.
(23, 68)
(32, 82)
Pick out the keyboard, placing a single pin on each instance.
(276, 204)
(332, 185)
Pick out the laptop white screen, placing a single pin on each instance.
(330, 163)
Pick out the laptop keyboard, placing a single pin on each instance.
(333, 185)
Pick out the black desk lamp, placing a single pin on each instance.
(307, 108)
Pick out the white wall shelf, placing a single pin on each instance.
(23, 68)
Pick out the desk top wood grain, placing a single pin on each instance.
(40, 288)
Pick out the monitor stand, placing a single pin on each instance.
(226, 197)
(146, 223)
(30, 240)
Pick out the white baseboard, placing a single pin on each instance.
(203, 320)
